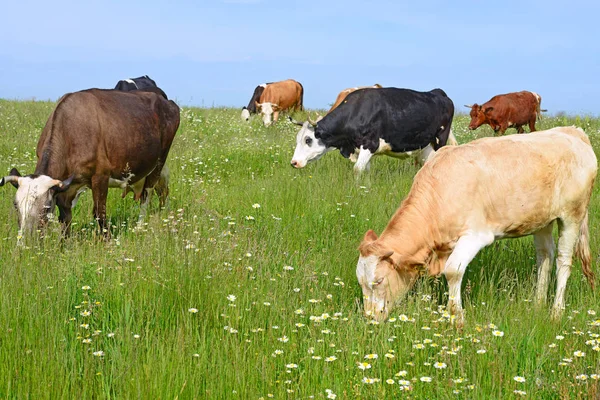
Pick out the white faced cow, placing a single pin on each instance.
(390, 121)
(468, 196)
(277, 97)
(99, 139)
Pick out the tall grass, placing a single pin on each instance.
(245, 287)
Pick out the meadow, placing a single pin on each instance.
(244, 286)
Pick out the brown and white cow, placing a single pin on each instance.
(277, 97)
(97, 139)
(468, 196)
(511, 110)
(342, 96)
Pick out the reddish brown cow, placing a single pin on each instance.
(279, 96)
(511, 110)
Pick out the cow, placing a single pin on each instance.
(279, 96)
(391, 121)
(95, 139)
(468, 196)
(344, 93)
(511, 110)
(251, 108)
(141, 83)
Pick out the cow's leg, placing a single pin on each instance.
(424, 155)
(503, 128)
(275, 116)
(362, 163)
(465, 250)
(64, 212)
(532, 125)
(544, 252)
(567, 237)
(162, 187)
(100, 192)
(520, 129)
(145, 200)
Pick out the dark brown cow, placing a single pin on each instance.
(279, 96)
(346, 92)
(511, 110)
(96, 139)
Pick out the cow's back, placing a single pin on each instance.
(518, 106)
(108, 130)
(515, 184)
(407, 119)
(286, 94)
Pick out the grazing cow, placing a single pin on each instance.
(279, 96)
(251, 108)
(390, 121)
(141, 83)
(467, 197)
(97, 139)
(342, 96)
(511, 110)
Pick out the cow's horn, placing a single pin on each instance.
(471, 106)
(310, 121)
(9, 179)
(293, 121)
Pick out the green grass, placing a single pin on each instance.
(211, 242)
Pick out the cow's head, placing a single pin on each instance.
(308, 146)
(245, 114)
(35, 198)
(479, 115)
(266, 110)
(383, 277)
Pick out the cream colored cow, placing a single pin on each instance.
(468, 196)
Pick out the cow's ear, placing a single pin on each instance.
(370, 236)
(275, 107)
(488, 109)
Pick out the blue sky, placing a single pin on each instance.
(209, 53)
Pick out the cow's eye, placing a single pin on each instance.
(308, 141)
(377, 281)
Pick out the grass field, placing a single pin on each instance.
(245, 287)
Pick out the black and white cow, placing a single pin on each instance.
(144, 83)
(391, 121)
(251, 108)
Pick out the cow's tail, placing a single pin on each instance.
(451, 139)
(582, 251)
(301, 105)
(538, 108)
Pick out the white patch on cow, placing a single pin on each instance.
(33, 200)
(245, 114)
(386, 148)
(308, 147)
(263, 85)
(362, 163)
(266, 110)
(365, 270)
(365, 273)
(421, 156)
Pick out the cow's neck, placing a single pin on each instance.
(413, 233)
(52, 161)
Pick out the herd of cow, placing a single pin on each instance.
(462, 199)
